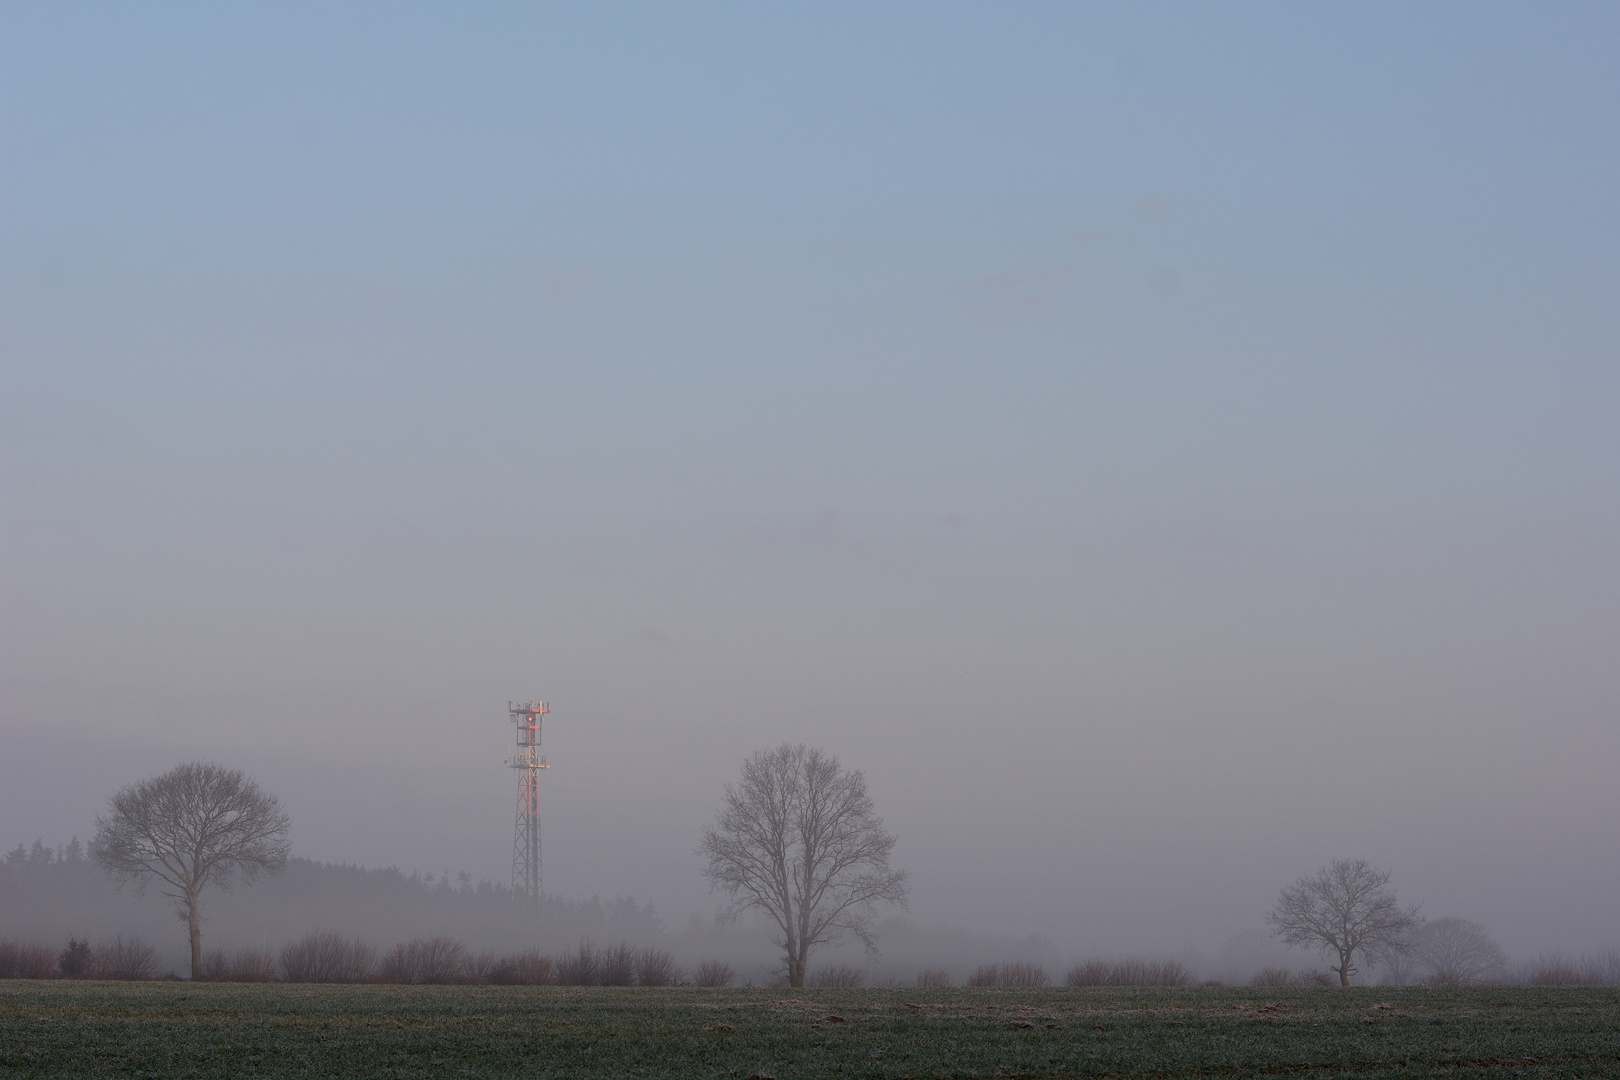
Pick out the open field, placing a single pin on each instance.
(182, 1030)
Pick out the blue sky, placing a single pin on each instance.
(1087, 420)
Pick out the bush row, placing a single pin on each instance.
(1128, 973)
(1085, 973)
(120, 958)
(329, 957)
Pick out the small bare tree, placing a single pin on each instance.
(198, 824)
(1456, 952)
(797, 838)
(1344, 909)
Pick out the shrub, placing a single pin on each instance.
(1134, 973)
(1089, 973)
(580, 967)
(617, 966)
(526, 968)
(484, 967)
(131, 960)
(655, 967)
(713, 973)
(1019, 973)
(985, 975)
(327, 957)
(934, 977)
(1563, 976)
(1559, 968)
(77, 961)
(425, 961)
(839, 975)
(19, 961)
(216, 966)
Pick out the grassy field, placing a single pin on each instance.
(181, 1030)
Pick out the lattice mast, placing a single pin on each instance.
(527, 759)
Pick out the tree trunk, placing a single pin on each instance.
(796, 970)
(1344, 968)
(194, 921)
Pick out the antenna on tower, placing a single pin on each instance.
(527, 759)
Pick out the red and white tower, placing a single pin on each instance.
(527, 759)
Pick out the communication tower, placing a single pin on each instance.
(527, 759)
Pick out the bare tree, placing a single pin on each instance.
(797, 839)
(1344, 909)
(198, 824)
(1456, 952)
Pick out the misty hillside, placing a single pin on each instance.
(47, 895)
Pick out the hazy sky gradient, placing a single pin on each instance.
(1166, 447)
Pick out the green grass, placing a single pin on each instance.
(181, 1030)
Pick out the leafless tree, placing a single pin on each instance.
(1344, 909)
(198, 824)
(933, 977)
(797, 838)
(1456, 952)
